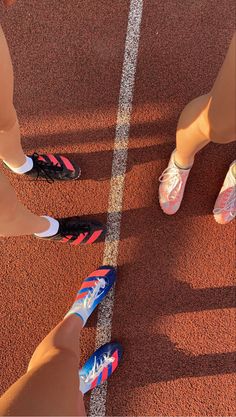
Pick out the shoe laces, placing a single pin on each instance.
(43, 168)
(228, 203)
(74, 230)
(92, 295)
(98, 367)
(172, 176)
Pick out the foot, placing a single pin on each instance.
(75, 231)
(225, 205)
(50, 167)
(93, 290)
(172, 185)
(100, 366)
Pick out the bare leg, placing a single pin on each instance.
(50, 386)
(210, 117)
(15, 219)
(10, 145)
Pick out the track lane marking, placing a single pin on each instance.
(120, 154)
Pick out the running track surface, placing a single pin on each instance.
(173, 309)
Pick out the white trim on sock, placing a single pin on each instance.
(27, 166)
(53, 228)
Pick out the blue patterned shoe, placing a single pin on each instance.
(100, 366)
(93, 290)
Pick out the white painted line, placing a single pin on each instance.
(104, 325)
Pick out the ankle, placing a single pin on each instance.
(18, 168)
(50, 227)
(183, 162)
(234, 170)
(16, 161)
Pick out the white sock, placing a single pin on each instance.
(52, 230)
(27, 166)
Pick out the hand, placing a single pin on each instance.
(8, 2)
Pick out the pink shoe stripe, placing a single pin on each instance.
(115, 363)
(99, 273)
(53, 159)
(88, 284)
(65, 239)
(79, 239)
(40, 158)
(94, 383)
(67, 163)
(79, 296)
(94, 237)
(104, 374)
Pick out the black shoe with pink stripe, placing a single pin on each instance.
(77, 231)
(53, 167)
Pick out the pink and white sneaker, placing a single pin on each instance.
(225, 205)
(172, 185)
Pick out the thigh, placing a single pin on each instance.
(222, 106)
(51, 389)
(7, 112)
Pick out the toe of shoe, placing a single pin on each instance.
(169, 208)
(223, 219)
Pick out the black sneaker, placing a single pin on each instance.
(75, 231)
(53, 167)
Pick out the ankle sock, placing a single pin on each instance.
(27, 166)
(181, 167)
(52, 230)
(75, 310)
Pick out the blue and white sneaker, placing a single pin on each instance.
(92, 291)
(100, 366)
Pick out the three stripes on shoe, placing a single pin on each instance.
(57, 160)
(82, 238)
(107, 371)
(100, 366)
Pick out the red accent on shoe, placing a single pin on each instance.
(79, 239)
(94, 237)
(53, 160)
(88, 284)
(66, 239)
(81, 295)
(115, 363)
(94, 383)
(99, 273)
(67, 163)
(40, 158)
(104, 374)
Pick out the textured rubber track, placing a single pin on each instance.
(174, 295)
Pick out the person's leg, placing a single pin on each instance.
(10, 144)
(192, 131)
(15, 219)
(210, 117)
(51, 167)
(50, 386)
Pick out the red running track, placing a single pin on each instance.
(174, 299)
